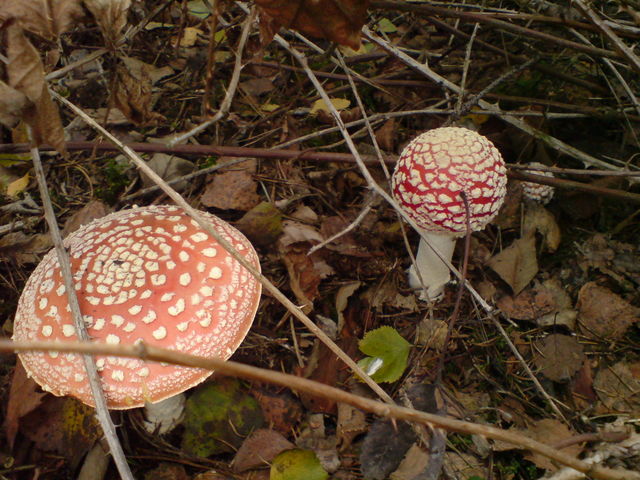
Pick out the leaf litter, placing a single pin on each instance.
(569, 281)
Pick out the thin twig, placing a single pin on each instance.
(618, 44)
(494, 22)
(183, 178)
(156, 354)
(231, 87)
(553, 142)
(301, 59)
(102, 411)
(550, 400)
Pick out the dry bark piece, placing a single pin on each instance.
(149, 274)
(603, 314)
(558, 356)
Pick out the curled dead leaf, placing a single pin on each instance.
(42, 17)
(111, 17)
(337, 20)
(537, 218)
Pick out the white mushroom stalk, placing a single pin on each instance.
(432, 171)
(148, 274)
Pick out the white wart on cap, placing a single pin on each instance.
(148, 274)
(537, 192)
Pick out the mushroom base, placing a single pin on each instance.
(433, 271)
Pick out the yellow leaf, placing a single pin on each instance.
(338, 103)
(269, 107)
(17, 186)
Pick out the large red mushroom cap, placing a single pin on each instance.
(147, 274)
(439, 164)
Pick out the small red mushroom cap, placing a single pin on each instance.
(147, 274)
(439, 164)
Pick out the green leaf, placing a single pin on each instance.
(387, 354)
(218, 416)
(385, 25)
(296, 464)
(198, 8)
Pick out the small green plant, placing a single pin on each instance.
(115, 180)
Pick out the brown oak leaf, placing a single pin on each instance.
(335, 20)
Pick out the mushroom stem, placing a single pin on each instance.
(434, 272)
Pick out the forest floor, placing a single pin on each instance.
(547, 344)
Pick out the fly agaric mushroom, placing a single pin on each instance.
(433, 170)
(147, 274)
(537, 192)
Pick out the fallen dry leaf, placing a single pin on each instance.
(517, 264)
(528, 304)
(24, 397)
(132, 93)
(351, 423)
(21, 248)
(13, 105)
(262, 225)
(111, 17)
(537, 218)
(546, 304)
(464, 465)
(18, 186)
(338, 21)
(25, 73)
(169, 167)
(304, 280)
(281, 409)
(558, 357)
(618, 388)
(63, 425)
(386, 135)
(259, 448)
(233, 189)
(620, 261)
(603, 314)
(92, 210)
(43, 17)
(546, 430)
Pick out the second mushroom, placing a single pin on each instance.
(434, 173)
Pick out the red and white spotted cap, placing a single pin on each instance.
(149, 274)
(439, 164)
(537, 192)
